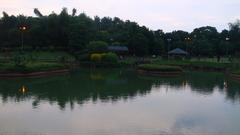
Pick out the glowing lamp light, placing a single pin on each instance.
(23, 28)
(23, 89)
(188, 38)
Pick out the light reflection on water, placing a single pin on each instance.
(117, 102)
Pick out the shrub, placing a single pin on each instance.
(96, 57)
(62, 59)
(83, 57)
(104, 57)
(19, 61)
(110, 57)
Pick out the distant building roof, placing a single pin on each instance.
(118, 48)
(178, 51)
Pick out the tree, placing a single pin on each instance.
(234, 34)
(74, 32)
(158, 46)
(74, 11)
(97, 46)
(138, 45)
(205, 41)
(37, 13)
(81, 31)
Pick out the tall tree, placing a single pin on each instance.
(74, 11)
(37, 13)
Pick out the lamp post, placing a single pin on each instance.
(169, 40)
(22, 29)
(187, 39)
(227, 39)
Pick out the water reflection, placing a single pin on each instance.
(23, 89)
(110, 86)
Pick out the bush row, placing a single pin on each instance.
(104, 57)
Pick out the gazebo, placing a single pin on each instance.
(177, 52)
(121, 51)
(118, 49)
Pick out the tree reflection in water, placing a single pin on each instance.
(109, 86)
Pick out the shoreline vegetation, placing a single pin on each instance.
(31, 63)
(24, 64)
(159, 70)
(32, 69)
(34, 74)
(46, 43)
(235, 74)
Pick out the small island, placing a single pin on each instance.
(159, 70)
(236, 74)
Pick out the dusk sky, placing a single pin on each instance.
(167, 15)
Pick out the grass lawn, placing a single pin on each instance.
(188, 63)
(236, 72)
(34, 61)
(31, 67)
(42, 56)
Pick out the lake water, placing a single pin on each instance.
(120, 102)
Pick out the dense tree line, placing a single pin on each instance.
(72, 32)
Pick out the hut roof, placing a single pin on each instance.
(118, 48)
(178, 51)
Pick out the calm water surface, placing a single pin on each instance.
(120, 102)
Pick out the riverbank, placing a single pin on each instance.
(20, 64)
(34, 74)
(235, 74)
(184, 64)
(159, 70)
(195, 65)
(32, 69)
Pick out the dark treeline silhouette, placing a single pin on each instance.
(72, 32)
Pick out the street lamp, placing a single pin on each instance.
(187, 39)
(22, 29)
(169, 40)
(227, 39)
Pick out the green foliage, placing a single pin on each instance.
(44, 66)
(97, 46)
(19, 60)
(83, 57)
(37, 56)
(160, 68)
(96, 57)
(31, 67)
(75, 32)
(190, 64)
(236, 72)
(81, 30)
(104, 57)
(62, 59)
(110, 57)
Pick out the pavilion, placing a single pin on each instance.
(177, 52)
